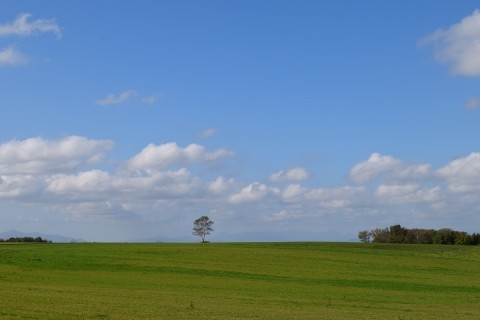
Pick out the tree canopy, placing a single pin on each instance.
(26, 239)
(202, 227)
(399, 234)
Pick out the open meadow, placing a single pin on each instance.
(239, 281)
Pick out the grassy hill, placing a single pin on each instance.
(239, 281)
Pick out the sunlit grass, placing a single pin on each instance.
(239, 281)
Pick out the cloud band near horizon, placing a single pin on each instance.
(63, 172)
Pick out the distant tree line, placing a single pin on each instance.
(399, 234)
(26, 239)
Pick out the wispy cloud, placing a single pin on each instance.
(292, 174)
(458, 46)
(112, 99)
(22, 27)
(11, 56)
(151, 99)
(473, 104)
(207, 133)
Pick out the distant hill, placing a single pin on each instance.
(164, 239)
(52, 237)
(282, 236)
(257, 237)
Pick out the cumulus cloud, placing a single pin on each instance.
(112, 99)
(290, 175)
(463, 174)
(412, 172)
(167, 184)
(22, 27)
(459, 45)
(407, 193)
(37, 155)
(53, 170)
(395, 169)
(220, 185)
(11, 56)
(161, 156)
(20, 186)
(374, 166)
(253, 192)
(72, 176)
(98, 184)
(336, 198)
(93, 181)
(293, 192)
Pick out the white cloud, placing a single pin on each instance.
(94, 181)
(71, 176)
(22, 27)
(97, 184)
(112, 99)
(338, 192)
(293, 192)
(391, 168)
(407, 193)
(20, 186)
(413, 172)
(11, 56)
(253, 192)
(290, 175)
(220, 185)
(339, 197)
(159, 184)
(37, 155)
(374, 166)
(48, 170)
(459, 45)
(161, 156)
(463, 174)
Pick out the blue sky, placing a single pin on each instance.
(280, 120)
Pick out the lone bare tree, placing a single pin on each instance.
(202, 227)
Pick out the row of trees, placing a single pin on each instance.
(26, 239)
(399, 234)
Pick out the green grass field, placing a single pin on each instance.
(239, 281)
